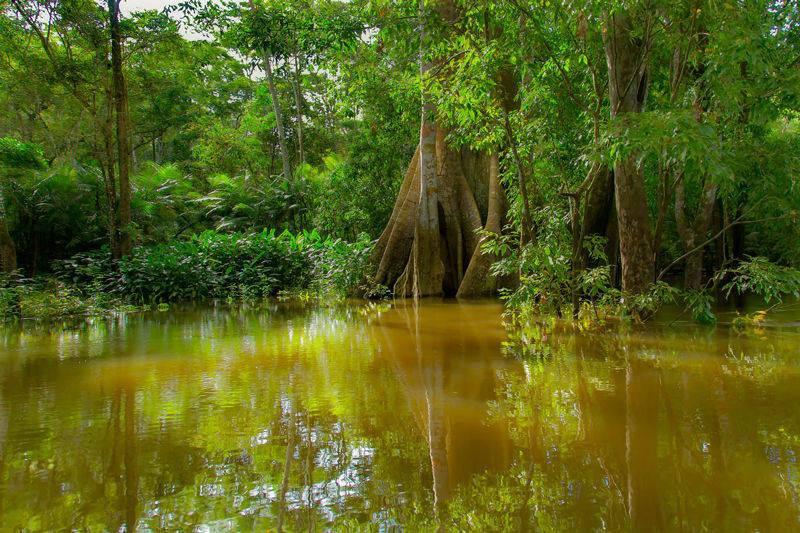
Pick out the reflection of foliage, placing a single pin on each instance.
(220, 423)
(716, 442)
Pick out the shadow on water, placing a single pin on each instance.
(295, 417)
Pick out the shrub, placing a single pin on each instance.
(214, 265)
(48, 298)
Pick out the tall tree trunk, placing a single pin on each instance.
(267, 63)
(298, 101)
(425, 271)
(433, 231)
(124, 147)
(628, 82)
(287, 169)
(110, 187)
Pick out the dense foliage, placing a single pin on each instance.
(253, 119)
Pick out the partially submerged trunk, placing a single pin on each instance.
(599, 216)
(458, 221)
(433, 232)
(424, 270)
(477, 279)
(628, 88)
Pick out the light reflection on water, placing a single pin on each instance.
(386, 417)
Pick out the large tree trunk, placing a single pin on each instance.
(431, 244)
(458, 222)
(432, 234)
(424, 271)
(628, 87)
(477, 280)
(124, 147)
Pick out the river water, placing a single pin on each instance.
(395, 417)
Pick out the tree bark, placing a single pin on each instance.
(8, 252)
(693, 232)
(424, 272)
(298, 101)
(628, 82)
(124, 147)
(433, 233)
(477, 280)
(267, 63)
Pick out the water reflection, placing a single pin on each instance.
(298, 418)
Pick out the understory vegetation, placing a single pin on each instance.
(210, 266)
(585, 160)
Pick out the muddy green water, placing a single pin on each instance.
(394, 418)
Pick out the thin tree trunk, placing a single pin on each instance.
(298, 101)
(267, 62)
(8, 252)
(526, 232)
(287, 169)
(124, 148)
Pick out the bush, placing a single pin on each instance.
(214, 265)
(48, 298)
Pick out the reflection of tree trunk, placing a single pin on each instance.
(113, 472)
(287, 469)
(131, 463)
(3, 441)
(437, 432)
(641, 438)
